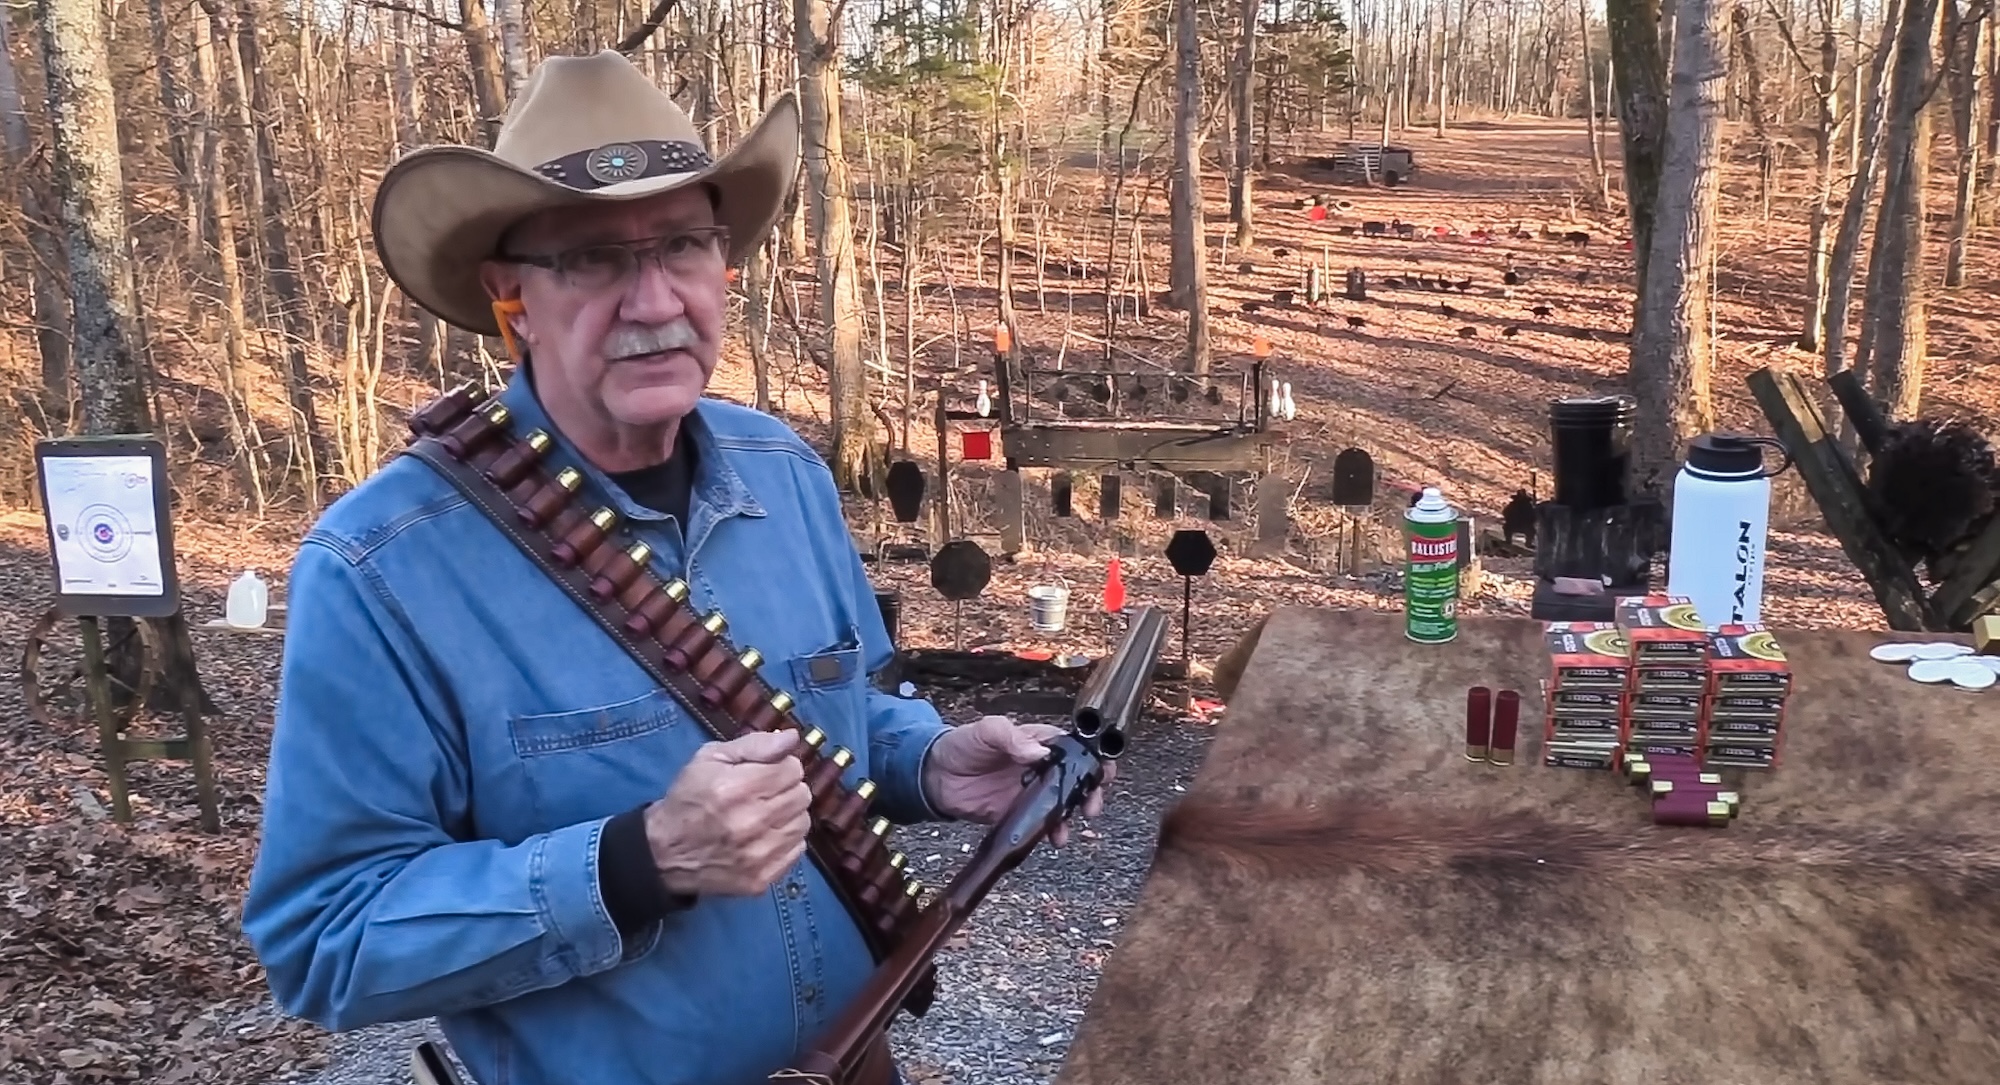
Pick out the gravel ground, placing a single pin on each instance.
(1017, 981)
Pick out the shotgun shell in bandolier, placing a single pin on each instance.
(1691, 810)
(1506, 724)
(1478, 722)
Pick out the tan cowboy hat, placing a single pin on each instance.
(583, 130)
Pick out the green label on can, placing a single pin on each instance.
(1430, 581)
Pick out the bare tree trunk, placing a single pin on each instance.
(1670, 345)
(1753, 77)
(854, 455)
(222, 215)
(489, 76)
(1444, 64)
(308, 438)
(1853, 216)
(1967, 69)
(1825, 80)
(1639, 77)
(1188, 288)
(757, 271)
(1986, 196)
(513, 43)
(174, 102)
(52, 316)
(90, 190)
(1894, 321)
(1241, 95)
(1597, 167)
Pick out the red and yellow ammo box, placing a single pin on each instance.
(1666, 703)
(1748, 685)
(1589, 673)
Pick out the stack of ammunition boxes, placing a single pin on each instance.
(1748, 683)
(1666, 708)
(1585, 694)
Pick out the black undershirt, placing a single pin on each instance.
(626, 876)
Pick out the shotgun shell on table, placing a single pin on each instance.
(1478, 722)
(1506, 722)
(1691, 810)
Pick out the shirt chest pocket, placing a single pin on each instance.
(593, 762)
(830, 689)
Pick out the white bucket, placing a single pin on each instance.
(1048, 606)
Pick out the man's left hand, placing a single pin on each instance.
(974, 772)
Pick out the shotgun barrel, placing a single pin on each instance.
(1115, 693)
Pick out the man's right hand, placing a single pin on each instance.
(735, 819)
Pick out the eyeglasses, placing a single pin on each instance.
(684, 254)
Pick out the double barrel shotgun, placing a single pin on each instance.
(852, 1051)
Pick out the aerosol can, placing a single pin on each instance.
(1430, 569)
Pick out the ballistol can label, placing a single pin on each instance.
(1747, 659)
(1430, 574)
(1663, 628)
(1586, 655)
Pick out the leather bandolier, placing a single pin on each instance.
(598, 565)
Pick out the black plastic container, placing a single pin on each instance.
(890, 603)
(1592, 440)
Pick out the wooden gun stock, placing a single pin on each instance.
(848, 1053)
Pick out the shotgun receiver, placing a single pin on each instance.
(849, 1052)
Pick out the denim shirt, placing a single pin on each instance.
(453, 733)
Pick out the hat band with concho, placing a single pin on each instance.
(613, 163)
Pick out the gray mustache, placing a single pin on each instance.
(633, 342)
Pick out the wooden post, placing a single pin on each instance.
(1273, 515)
(1007, 496)
(198, 751)
(109, 741)
(1837, 489)
(1958, 599)
(943, 503)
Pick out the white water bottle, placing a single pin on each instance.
(1722, 510)
(249, 601)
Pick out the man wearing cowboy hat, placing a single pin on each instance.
(478, 807)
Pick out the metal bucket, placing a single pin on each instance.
(1048, 607)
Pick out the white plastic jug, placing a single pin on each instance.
(249, 601)
(1722, 509)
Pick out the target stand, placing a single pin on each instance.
(111, 549)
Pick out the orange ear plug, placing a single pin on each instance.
(502, 309)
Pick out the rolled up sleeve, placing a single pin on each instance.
(367, 901)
